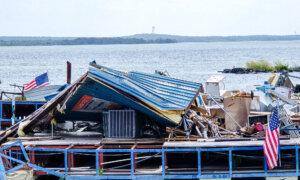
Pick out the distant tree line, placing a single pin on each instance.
(85, 41)
(137, 39)
(180, 38)
(239, 38)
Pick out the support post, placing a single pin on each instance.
(135, 157)
(1, 109)
(70, 161)
(70, 158)
(97, 162)
(101, 161)
(66, 161)
(69, 71)
(199, 162)
(163, 173)
(132, 160)
(132, 163)
(2, 170)
(32, 156)
(230, 163)
(297, 159)
(265, 166)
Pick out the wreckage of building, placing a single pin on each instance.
(122, 125)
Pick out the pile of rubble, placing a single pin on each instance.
(107, 103)
(239, 114)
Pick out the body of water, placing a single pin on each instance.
(189, 61)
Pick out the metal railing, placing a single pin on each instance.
(164, 173)
(36, 105)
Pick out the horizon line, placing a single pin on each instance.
(49, 36)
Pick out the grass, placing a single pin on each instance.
(261, 65)
(264, 66)
(281, 67)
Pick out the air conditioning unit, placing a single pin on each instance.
(119, 124)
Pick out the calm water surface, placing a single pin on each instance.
(190, 61)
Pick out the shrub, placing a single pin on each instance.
(261, 65)
(281, 67)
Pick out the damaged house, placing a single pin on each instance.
(130, 105)
(113, 124)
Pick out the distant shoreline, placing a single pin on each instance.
(136, 39)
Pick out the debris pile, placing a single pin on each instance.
(107, 103)
(239, 114)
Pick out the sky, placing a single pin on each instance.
(106, 18)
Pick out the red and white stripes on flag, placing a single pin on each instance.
(39, 81)
(271, 143)
(30, 85)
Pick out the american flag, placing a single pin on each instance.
(271, 143)
(39, 81)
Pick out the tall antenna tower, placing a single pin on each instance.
(153, 30)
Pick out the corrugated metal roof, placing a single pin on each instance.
(295, 80)
(39, 94)
(163, 92)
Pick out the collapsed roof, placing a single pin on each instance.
(161, 98)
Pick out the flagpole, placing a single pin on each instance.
(279, 154)
(272, 139)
